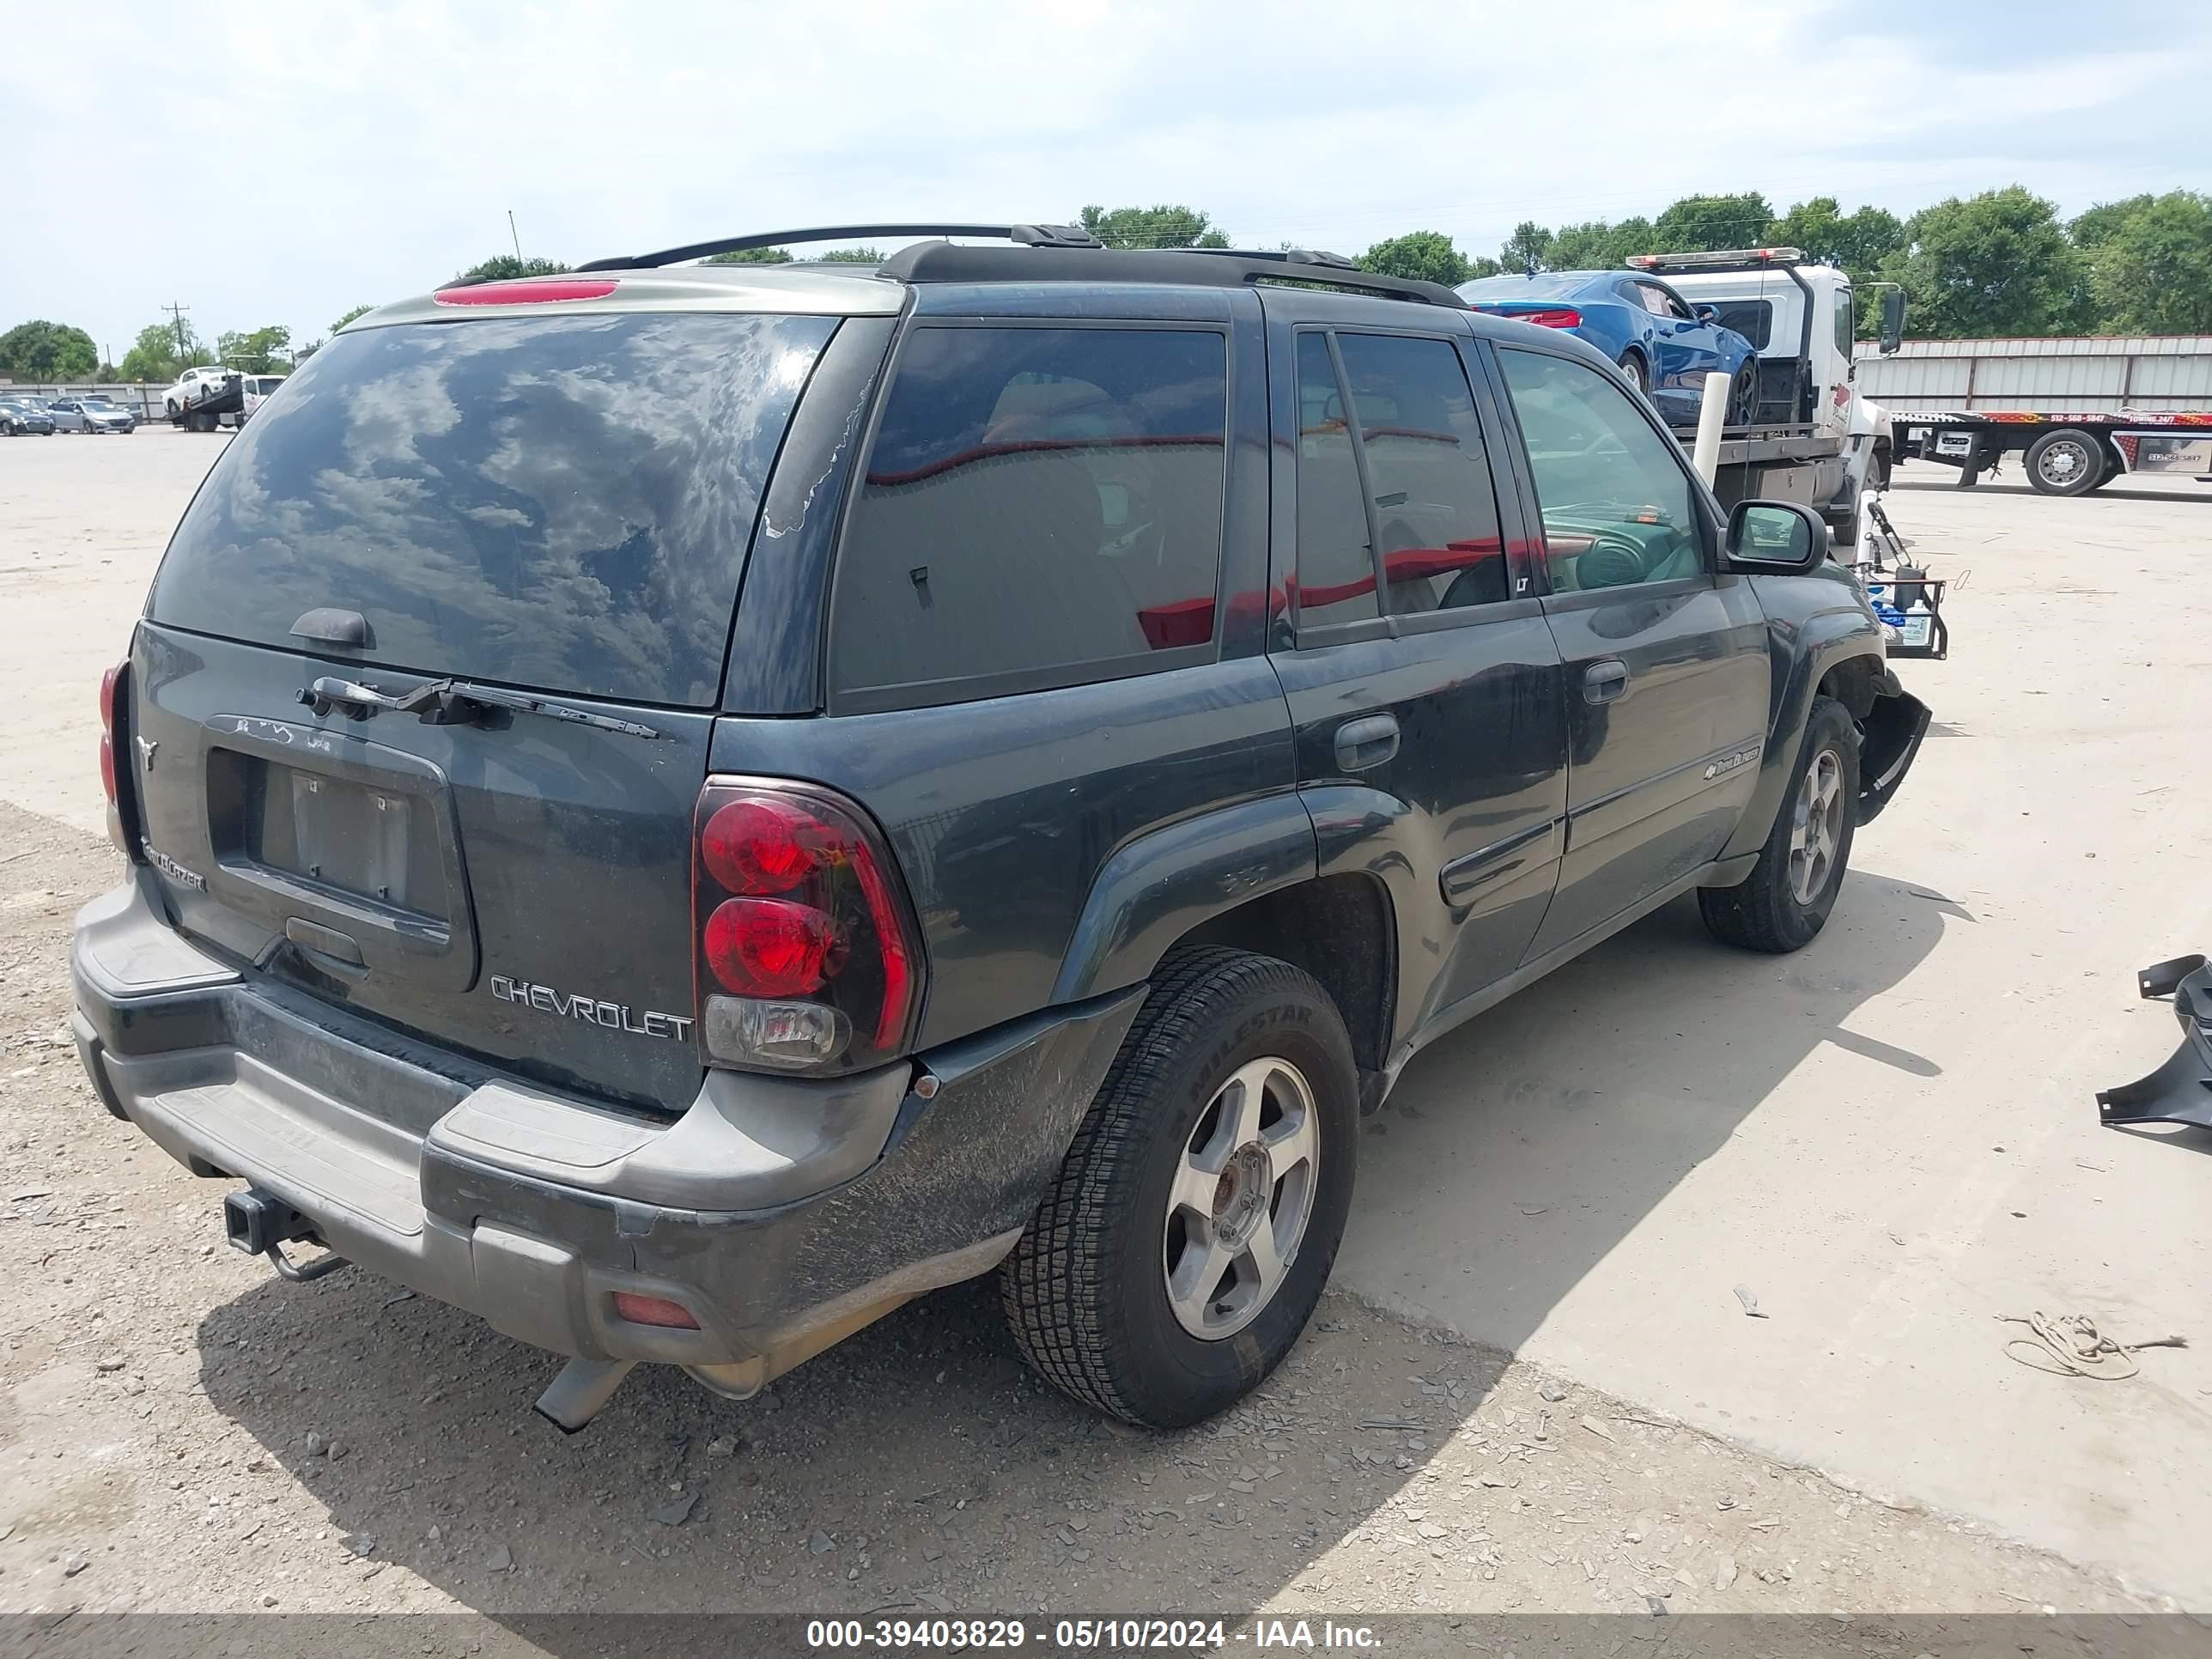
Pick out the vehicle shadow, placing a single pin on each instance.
(921, 1468)
(1517, 1153)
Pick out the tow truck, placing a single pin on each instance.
(199, 403)
(1814, 440)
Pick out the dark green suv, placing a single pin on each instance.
(680, 806)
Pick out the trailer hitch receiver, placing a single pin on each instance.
(261, 1223)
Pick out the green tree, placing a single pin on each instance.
(1597, 246)
(1425, 255)
(2152, 274)
(1152, 226)
(2101, 222)
(41, 351)
(1483, 265)
(779, 256)
(1528, 248)
(159, 356)
(1856, 242)
(1705, 224)
(1995, 263)
(347, 317)
(504, 267)
(262, 351)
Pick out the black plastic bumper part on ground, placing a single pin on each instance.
(2179, 1091)
(770, 1209)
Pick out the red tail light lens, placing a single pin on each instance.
(1557, 317)
(113, 685)
(109, 682)
(760, 845)
(765, 947)
(807, 953)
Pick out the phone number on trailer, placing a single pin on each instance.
(1079, 1634)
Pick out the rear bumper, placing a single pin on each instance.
(775, 1210)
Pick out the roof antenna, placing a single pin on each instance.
(514, 236)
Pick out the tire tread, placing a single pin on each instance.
(1059, 1292)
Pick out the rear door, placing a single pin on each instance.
(556, 507)
(1665, 661)
(1422, 679)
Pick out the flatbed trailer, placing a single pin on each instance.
(2063, 454)
(1777, 464)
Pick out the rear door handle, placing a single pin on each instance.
(1368, 741)
(1606, 682)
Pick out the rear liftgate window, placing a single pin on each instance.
(1043, 506)
(562, 503)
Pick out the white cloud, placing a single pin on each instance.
(264, 162)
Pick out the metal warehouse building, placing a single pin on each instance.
(2122, 371)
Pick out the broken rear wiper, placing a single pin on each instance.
(454, 702)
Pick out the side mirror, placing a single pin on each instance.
(1893, 319)
(1776, 538)
(1707, 314)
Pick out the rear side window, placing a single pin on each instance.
(562, 503)
(1040, 506)
(1752, 318)
(1429, 471)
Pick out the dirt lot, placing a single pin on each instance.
(1582, 1177)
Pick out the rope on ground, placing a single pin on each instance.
(2072, 1345)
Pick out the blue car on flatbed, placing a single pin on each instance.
(1661, 342)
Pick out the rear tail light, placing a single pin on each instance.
(1557, 317)
(114, 688)
(805, 955)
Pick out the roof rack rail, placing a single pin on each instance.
(1189, 267)
(1029, 235)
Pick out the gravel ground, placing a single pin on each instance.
(181, 1432)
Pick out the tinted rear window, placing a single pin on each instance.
(560, 503)
(1752, 318)
(1042, 506)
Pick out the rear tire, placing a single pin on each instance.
(1137, 1245)
(2067, 462)
(1631, 365)
(1782, 904)
(1743, 396)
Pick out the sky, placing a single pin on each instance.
(283, 163)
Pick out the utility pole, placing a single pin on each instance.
(177, 316)
(516, 235)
